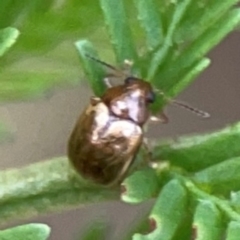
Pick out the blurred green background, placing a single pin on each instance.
(44, 55)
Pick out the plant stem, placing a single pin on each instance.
(207, 149)
(46, 187)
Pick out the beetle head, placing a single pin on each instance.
(130, 100)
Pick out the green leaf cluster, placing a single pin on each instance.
(197, 187)
(178, 35)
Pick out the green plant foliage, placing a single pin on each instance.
(51, 185)
(44, 187)
(207, 149)
(141, 186)
(33, 231)
(179, 57)
(8, 37)
(166, 215)
(44, 56)
(222, 176)
(233, 231)
(212, 172)
(235, 200)
(197, 187)
(119, 30)
(151, 22)
(208, 222)
(92, 68)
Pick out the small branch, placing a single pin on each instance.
(46, 187)
(194, 153)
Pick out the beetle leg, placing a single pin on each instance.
(147, 151)
(95, 100)
(161, 117)
(127, 67)
(107, 82)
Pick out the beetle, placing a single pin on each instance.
(109, 132)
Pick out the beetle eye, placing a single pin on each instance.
(150, 97)
(129, 80)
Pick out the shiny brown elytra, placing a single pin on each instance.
(108, 134)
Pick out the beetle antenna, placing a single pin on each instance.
(197, 111)
(186, 106)
(101, 62)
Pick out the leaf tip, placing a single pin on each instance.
(152, 224)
